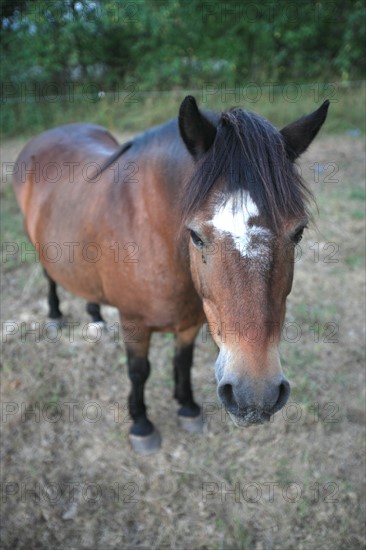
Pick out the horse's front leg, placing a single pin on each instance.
(144, 437)
(189, 413)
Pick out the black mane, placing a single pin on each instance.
(249, 154)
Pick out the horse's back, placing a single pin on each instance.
(71, 140)
(58, 156)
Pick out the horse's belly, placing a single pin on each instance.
(78, 277)
(71, 255)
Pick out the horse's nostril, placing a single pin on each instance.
(283, 395)
(227, 394)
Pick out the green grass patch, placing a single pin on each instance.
(243, 539)
(359, 194)
(284, 473)
(303, 391)
(358, 214)
(296, 364)
(317, 313)
(354, 261)
(300, 359)
(121, 113)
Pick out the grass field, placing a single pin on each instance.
(69, 478)
(125, 109)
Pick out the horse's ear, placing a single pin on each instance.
(301, 133)
(197, 132)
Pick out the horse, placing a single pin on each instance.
(194, 221)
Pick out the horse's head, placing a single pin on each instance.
(245, 210)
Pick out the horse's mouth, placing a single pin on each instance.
(249, 417)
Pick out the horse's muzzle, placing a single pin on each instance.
(250, 402)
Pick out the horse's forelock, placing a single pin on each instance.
(248, 154)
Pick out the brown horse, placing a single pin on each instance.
(193, 221)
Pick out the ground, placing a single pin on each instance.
(69, 477)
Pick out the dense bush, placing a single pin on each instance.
(181, 43)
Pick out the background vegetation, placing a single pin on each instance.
(93, 60)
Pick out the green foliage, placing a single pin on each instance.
(49, 47)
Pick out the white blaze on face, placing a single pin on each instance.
(233, 218)
(225, 358)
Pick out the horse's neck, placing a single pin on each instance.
(164, 152)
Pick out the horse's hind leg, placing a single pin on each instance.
(189, 413)
(143, 436)
(54, 312)
(94, 311)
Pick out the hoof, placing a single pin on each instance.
(146, 444)
(53, 327)
(59, 322)
(192, 424)
(97, 330)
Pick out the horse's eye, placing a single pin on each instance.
(197, 241)
(298, 236)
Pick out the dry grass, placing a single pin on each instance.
(69, 482)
